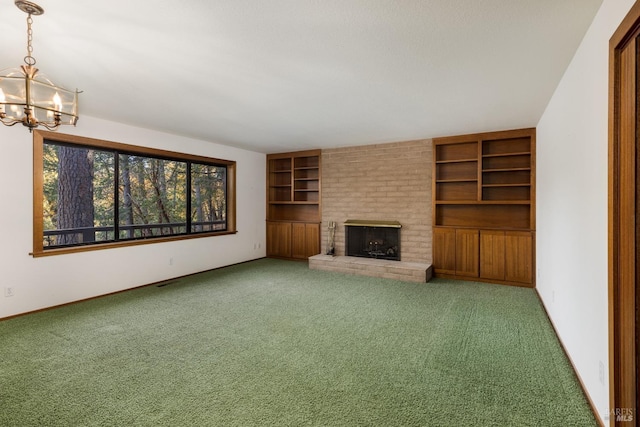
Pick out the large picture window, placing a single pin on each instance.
(91, 194)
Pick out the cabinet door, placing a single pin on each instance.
(305, 240)
(279, 239)
(298, 240)
(519, 256)
(312, 239)
(492, 254)
(444, 250)
(467, 252)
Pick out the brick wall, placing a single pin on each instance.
(380, 182)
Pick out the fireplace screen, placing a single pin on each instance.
(373, 239)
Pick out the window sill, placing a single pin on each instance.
(111, 245)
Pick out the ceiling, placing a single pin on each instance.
(283, 75)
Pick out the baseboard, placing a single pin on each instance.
(125, 290)
(573, 366)
(483, 280)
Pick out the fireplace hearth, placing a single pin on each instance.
(372, 239)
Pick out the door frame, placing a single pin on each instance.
(624, 203)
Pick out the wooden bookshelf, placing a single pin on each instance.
(293, 204)
(484, 206)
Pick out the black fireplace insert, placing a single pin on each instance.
(373, 239)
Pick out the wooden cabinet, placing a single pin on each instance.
(518, 256)
(279, 239)
(492, 254)
(293, 204)
(305, 240)
(456, 251)
(444, 250)
(467, 253)
(485, 183)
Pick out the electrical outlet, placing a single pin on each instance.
(601, 372)
(8, 291)
(171, 261)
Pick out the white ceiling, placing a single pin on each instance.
(284, 75)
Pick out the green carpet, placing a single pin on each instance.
(273, 343)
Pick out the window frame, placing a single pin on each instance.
(39, 138)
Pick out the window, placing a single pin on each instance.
(92, 194)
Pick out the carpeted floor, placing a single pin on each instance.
(272, 343)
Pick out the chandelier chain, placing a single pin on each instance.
(29, 59)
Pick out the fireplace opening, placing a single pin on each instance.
(373, 239)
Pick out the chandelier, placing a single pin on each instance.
(30, 98)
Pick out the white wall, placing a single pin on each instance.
(53, 280)
(572, 205)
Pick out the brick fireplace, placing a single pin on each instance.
(370, 182)
(389, 181)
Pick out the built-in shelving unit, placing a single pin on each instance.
(484, 186)
(293, 204)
